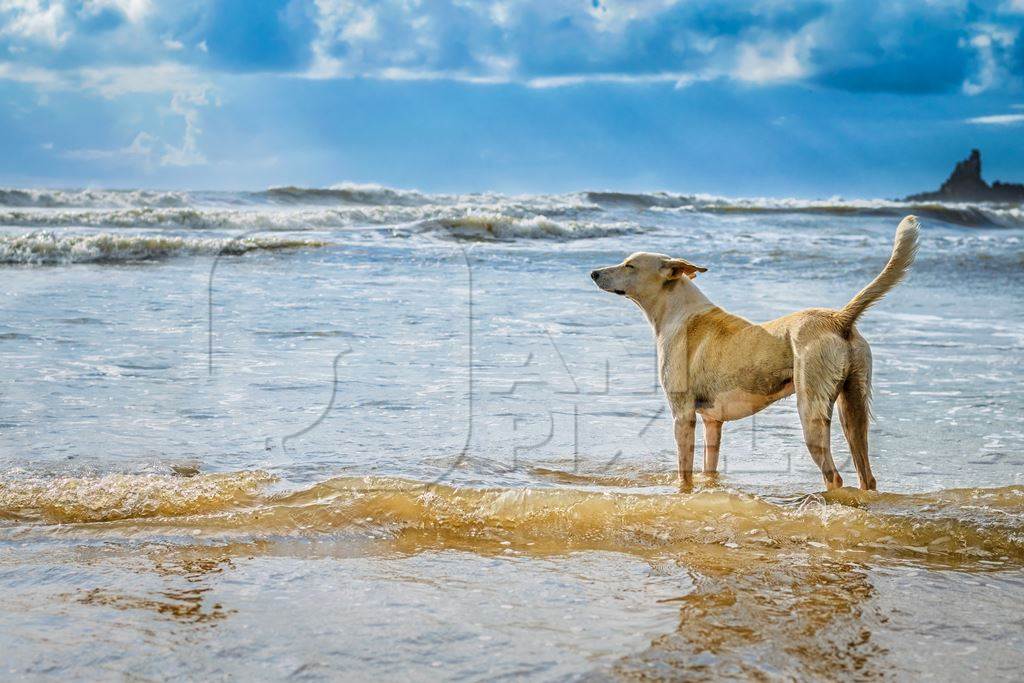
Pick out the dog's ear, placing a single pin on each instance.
(675, 268)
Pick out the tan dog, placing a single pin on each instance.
(723, 367)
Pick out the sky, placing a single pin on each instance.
(809, 98)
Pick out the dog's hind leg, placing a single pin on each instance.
(855, 411)
(817, 379)
(853, 415)
(712, 442)
(816, 420)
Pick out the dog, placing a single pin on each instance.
(722, 367)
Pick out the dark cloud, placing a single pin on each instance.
(269, 35)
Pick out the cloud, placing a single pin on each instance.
(33, 21)
(186, 104)
(901, 46)
(993, 46)
(247, 36)
(133, 10)
(772, 61)
(141, 147)
(189, 93)
(997, 120)
(115, 81)
(19, 73)
(681, 80)
(149, 150)
(862, 45)
(557, 43)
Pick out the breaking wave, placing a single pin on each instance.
(126, 496)
(174, 218)
(479, 226)
(52, 248)
(295, 208)
(964, 214)
(465, 222)
(345, 193)
(49, 199)
(968, 525)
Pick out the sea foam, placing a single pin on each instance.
(53, 248)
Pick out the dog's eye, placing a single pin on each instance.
(631, 267)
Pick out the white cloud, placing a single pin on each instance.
(550, 44)
(133, 10)
(771, 60)
(166, 77)
(188, 91)
(616, 16)
(849, 44)
(997, 120)
(989, 42)
(21, 73)
(680, 80)
(187, 154)
(33, 20)
(112, 82)
(150, 150)
(361, 25)
(141, 147)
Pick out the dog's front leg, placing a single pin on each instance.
(685, 428)
(712, 443)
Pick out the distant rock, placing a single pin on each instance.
(965, 184)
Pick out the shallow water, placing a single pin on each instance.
(378, 433)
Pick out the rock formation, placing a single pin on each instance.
(966, 185)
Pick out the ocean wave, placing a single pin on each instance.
(963, 214)
(459, 221)
(972, 525)
(345, 193)
(640, 200)
(52, 248)
(966, 215)
(31, 198)
(296, 208)
(184, 218)
(126, 496)
(244, 219)
(482, 226)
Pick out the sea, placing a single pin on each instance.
(366, 433)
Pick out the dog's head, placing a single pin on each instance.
(643, 275)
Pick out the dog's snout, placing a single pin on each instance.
(594, 275)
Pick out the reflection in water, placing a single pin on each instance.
(180, 605)
(749, 614)
(766, 618)
(185, 600)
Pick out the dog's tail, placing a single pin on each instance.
(904, 249)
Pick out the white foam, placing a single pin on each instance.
(52, 248)
(349, 204)
(483, 226)
(44, 198)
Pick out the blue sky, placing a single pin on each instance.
(797, 97)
